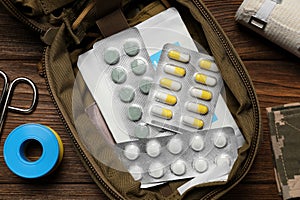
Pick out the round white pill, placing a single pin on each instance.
(220, 141)
(136, 172)
(197, 143)
(200, 164)
(156, 170)
(223, 160)
(175, 145)
(178, 167)
(153, 148)
(131, 152)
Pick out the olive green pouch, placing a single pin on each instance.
(69, 28)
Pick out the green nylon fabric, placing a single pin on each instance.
(39, 7)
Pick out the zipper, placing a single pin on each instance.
(77, 146)
(253, 98)
(35, 26)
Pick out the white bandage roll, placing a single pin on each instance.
(278, 21)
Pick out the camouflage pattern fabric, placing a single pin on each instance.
(284, 122)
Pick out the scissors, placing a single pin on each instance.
(7, 94)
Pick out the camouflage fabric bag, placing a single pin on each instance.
(69, 28)
(285, 138)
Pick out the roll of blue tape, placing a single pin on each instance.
(14, 148)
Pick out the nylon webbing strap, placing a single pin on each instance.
(111, 18)
(50, 5)
(260, 19)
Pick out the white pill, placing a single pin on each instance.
(156, 170)
(223, 160)
(174, 70)
(220, 140)
(131, 152)
(175, 145)
(170, 84)
(178, 167)
(153, 148)
(136, 172)
(197, 143)
(200, 164)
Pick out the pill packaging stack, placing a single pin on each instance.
(150, 107)
(185, 90)
(129, 74)
(154, 160)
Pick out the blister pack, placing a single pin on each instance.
(124, 84)
(159, 159)
(185, 90)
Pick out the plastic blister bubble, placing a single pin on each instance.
(186, 88)
(179, 156)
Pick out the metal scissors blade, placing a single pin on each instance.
(7, 94)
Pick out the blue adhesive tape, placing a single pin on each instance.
(14, 150)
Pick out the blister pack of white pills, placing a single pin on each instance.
(122, 87)
(185, 90)
(168, 158)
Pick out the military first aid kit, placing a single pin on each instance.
(69, 28)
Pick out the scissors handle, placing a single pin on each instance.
(7, 95)
(4, 89)
(10, 94)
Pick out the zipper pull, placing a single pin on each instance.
(49, 36)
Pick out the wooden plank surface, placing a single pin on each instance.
(275, 74)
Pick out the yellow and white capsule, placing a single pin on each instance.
(208, 65)
(201, 94)
(162, 112)
(193, 122)
(166, 98)
(197, 108)
(174, 70)
(205, 80)
(170, 84)
(178, 56)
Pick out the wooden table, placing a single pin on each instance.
(275, 74)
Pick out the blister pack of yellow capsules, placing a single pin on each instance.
(185, 90)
